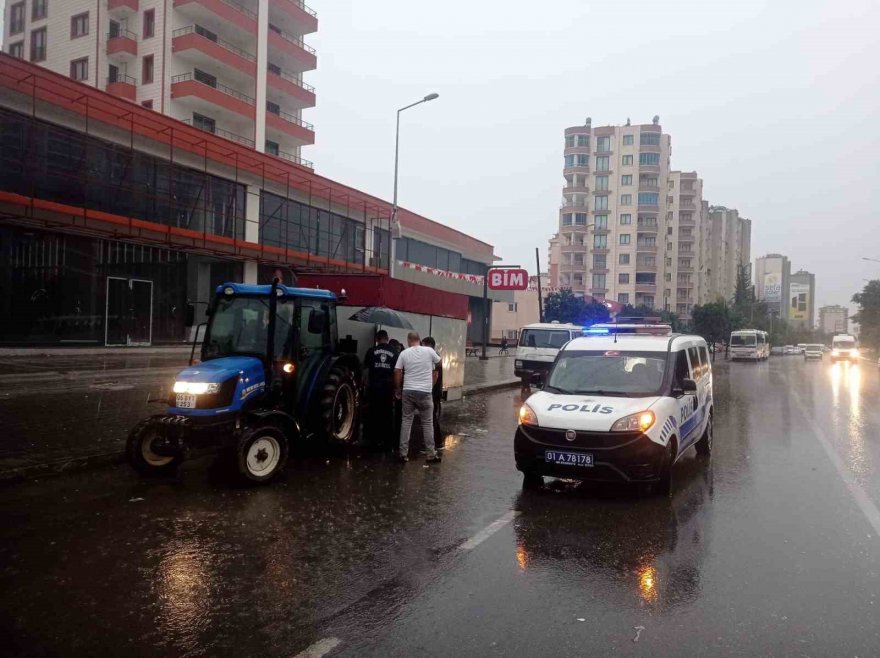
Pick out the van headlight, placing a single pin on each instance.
(853, 352)
(640, 422)
(527, 415)
(835, 352)
(196, 388)
(517, 364)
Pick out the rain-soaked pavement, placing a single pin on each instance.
(770, 548)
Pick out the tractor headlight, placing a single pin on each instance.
(636, 422)
(196, 388)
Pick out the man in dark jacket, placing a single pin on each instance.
(437, 395)
(379, 364)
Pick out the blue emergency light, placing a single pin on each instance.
(596, 331)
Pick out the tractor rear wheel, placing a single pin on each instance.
(260, 453)
(141, 455)
(340, 405)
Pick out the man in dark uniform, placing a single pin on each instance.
(437, 395)
(379, 364)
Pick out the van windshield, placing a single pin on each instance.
(742, 340)
(546, 338)
(843, 344)
(627, 374)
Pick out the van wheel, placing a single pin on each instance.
(664, 486)
(704, 445)
(532, 481)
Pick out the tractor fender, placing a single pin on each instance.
(282, 420)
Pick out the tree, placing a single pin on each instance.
(593, 313)
(712, 321)
(868, 315)
(563, 306)
(643, 311)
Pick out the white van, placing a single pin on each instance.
(749, 344)
(618, 408)
(844, 347)
(538, 346)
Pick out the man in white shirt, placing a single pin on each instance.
(414, 376)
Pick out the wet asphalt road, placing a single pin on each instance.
(770, 548)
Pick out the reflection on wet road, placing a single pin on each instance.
(762, 550)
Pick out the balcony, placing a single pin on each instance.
(641, 267)
(295, 159)
(600, 230)
(195, 47)
(220, 15)
(648, 207)
(122, 45)
(650, 169)
(123, 86)
(649, 148)
(646, 287)
(647, 248)
(685, 270)
(122, 8)
(293, 16)
(649, 187)
(208, 97)
(647, 228)
(598, 270)
(290, 125)
(599, 250)
(598, 291)
(575, 189)
(290, 52)
(223, 133)
(576, 169)
(288, 89)
(577, 150)
(687, 222)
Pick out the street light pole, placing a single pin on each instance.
(873, 260)
(395, 227)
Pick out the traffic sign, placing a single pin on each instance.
(508, 279)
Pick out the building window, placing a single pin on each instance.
(583, 140)
(601, 203)
(582, 160)
(627, 160)
(147, 70)
(627, 179)
(603, 144)
(79, 69)
(38, 45)
(600, 221)
(602, 163)
(626, 199)
(623, 278)
(649, 198)
(623, 259)
(600, 241)
(147, 104)
(79, 25)
(17, 50)
(601, 183)
(204, 123)
(566, 219)
(16, 18)
(39, 9)
(624, 238)
(650, 139)
(669, 230)
(627, 140)
(649, 159)
(580, 218)
(623, 298)
(272, 148)
(569, 161)
(569, 141)
(599, 261)
(599, 282)
(149, 23)
(626, 219)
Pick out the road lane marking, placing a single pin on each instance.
(319, 648)
(488, 531)
(869, 509)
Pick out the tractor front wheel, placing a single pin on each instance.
(340, 405)
(261, 453)
(144, 441)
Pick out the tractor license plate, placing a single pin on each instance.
(186, 401)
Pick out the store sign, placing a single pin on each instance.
(508, 279)
(772, 288)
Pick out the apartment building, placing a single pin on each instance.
(772, 278)
(612, 220)
(229, 67)
(833, 319)
(683, 276)
(727, 240)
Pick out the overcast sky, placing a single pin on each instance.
(774, 103)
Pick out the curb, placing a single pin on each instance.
(476, 389)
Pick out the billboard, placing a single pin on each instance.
(773, 287)
(799, 301)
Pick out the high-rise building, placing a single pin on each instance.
(230, 67)
(683, 239)
(613, 218)
(802, 299)
(772, 275)
(727, 239)
(833, 319)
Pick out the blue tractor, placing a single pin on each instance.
(271, 374)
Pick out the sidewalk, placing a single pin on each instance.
(65, 409)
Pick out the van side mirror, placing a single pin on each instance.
(689, 386)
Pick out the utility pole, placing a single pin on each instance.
(540, 294)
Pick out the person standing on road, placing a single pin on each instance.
(379, 364)
(414, 377)
(436, 396)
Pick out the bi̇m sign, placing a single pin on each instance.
(508, 279)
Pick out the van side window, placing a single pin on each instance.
(696, 368)
(704, 355)
(682, 371)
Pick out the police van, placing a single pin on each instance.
(538, 346)
(618, 406)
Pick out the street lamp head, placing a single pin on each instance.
(431, 97)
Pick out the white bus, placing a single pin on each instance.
(751, 344)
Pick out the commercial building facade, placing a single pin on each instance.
(116, 223)
(726, 248)
(772, 276)
(230, 67)
(833, 319)
(802, 299)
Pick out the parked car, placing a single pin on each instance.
(777, 350)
